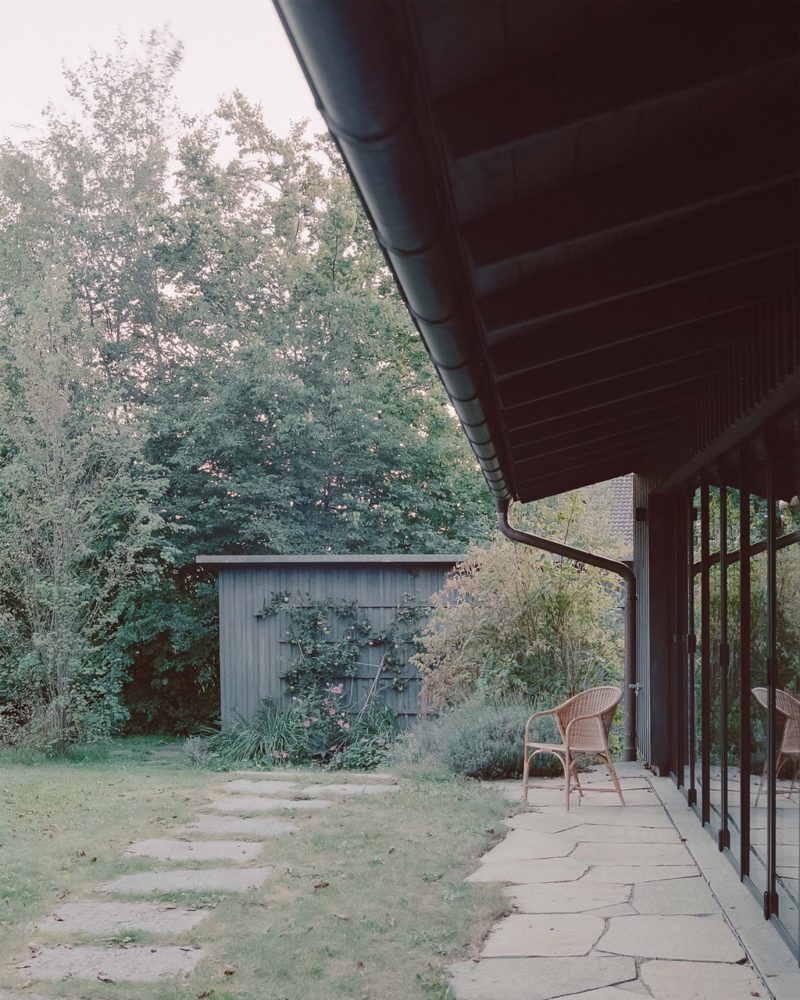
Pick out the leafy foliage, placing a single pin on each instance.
(79, 528)
(482, 737)
(316, 728)
(236, 372)
(322, 660)
(514, 620)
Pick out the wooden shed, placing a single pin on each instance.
(260, 598)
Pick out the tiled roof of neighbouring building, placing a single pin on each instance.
(621, 513)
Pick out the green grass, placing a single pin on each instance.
(366, 901)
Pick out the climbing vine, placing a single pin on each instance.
(328, 638)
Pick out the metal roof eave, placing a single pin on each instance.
(358, 71)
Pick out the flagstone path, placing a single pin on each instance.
(606, 903)
(241, 800)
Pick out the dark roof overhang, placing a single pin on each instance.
(588, 207)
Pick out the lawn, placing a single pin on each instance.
(367, 900)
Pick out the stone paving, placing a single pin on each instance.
(197, 842)
(606, 902)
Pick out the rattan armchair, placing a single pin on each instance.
(584, 722)
(789, 708)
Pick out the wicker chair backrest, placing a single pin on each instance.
(600, 704)
(789, 707)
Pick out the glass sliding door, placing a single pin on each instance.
(758, 653)
(738, 675)
(786, 726)
(715, 652)
(696, 664)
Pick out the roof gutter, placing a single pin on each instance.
(366, 91)
(612, 566)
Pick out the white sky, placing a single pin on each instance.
(230, 44)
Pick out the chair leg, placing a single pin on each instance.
(615, 780)
(567, 772)
(526, 770)
(577, 778)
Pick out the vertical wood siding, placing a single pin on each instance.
(255, 652)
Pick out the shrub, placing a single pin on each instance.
(316, 729)
(482, 737)
(514, 620)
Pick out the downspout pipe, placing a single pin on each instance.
(612, 566)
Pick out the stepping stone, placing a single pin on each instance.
(195, 850)
(687, 938)
(674, 896)
(523, 845)
(349, 789)
(255, 826)
(263, 787)
(279, 774)
(566, 897)
(134, 964)
(537, 978)
(634, 874)
(594, 833)
(5, 995)
(106, 918)
(701, 981)
(188, 880)
(550, 936)
(370, 776)
(631, 854)
(525, 872)
(257, 804)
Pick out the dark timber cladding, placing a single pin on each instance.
(592, 211)
(255, 651)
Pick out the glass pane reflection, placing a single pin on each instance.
(733, 748)
(787, 715)
(758, 678)
(697, 605)
(715, 670)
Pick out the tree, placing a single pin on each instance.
(77, 524)
(512, 619)
(228, 323)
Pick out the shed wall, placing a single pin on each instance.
(255, 652)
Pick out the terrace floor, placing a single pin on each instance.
(609, 902)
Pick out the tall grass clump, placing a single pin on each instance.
(315, 729)
(481, 737)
